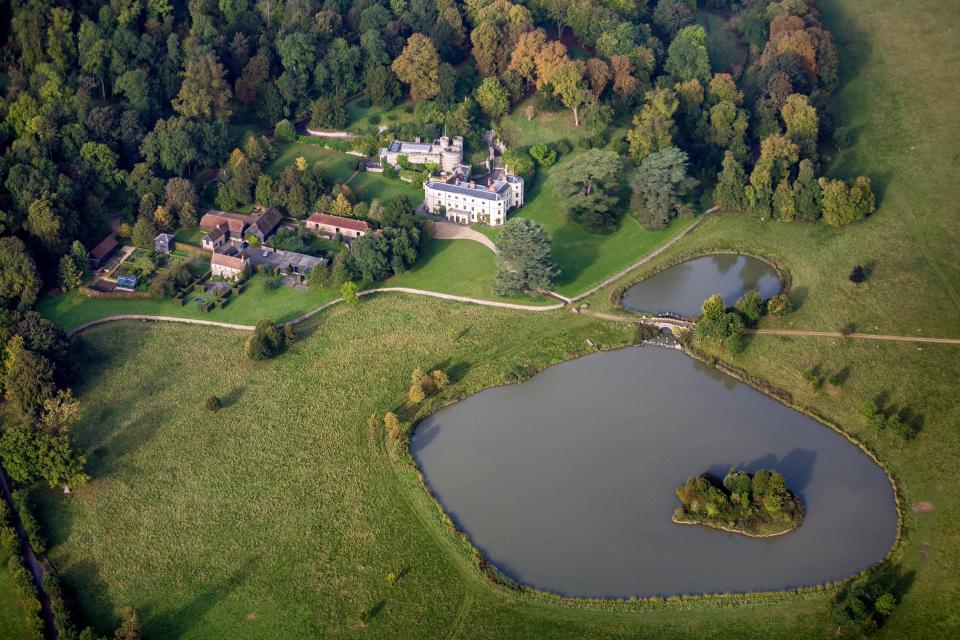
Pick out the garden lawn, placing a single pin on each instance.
(372, 186)
(283, 303)
(361, 110)
(339, 165)
(458, 267)
(191, 235)
(587, 258)
(11, 613)
(546, 126)
(280, 517)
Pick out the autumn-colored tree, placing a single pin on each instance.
(204, 92)
(653, 127)
(624, 83)
(255, 74)
(550, 58)
(599, 75)
(341, 206)
(419, 67)
(163, 218)
(524, 56)
(784, 204)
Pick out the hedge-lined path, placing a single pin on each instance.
(34, 565)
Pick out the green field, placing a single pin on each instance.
(11, 614)
(459, 267)
(361, 110)
(372, 186)
(280, 516)
(339, 165)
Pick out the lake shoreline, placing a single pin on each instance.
(741, 532)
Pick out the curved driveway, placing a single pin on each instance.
(451, 231)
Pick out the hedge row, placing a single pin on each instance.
(22, 578)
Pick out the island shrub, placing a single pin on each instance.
(779, 305)
(758, 504)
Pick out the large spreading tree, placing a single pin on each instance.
(525, 261)
(589, 189)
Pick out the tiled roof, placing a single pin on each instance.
(238, 262)
(103, 249)
(214, 220)
(267, 221)
(338, 221)
(217, 233)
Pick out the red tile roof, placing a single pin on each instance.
(338, 221)
(214, 220)
(103, 249)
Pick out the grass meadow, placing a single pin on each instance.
(11, 613)
(280, 516)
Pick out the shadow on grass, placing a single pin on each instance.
(177, 622)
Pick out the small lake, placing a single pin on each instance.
(681, 289)
(566, 482)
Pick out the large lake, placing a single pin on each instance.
(566, 482)
(682, 288)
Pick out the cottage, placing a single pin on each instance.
(102, 252)
(265, 224)
(163, 243)
(216, 238)
(236, 223)
(332, 225)
(231, 264)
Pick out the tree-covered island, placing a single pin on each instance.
(758, 505)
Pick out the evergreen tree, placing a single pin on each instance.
(525, 261)
(731, 183)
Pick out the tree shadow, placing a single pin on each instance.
(233, 396)
(798, 295)
(796, 467)
(177, 622)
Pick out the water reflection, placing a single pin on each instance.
(566, 481)
(681, 289)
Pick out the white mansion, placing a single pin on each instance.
(445, 152)
(485, 200)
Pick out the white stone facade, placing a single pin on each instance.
(471, 203)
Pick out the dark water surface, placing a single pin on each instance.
(566, 482)
(682, 288)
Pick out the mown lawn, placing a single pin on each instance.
(280, 304)
(361, 110)
(545, 126)
(372, 186)
(11, 613)
(459, 267)
(279, 516)
(339, 165)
